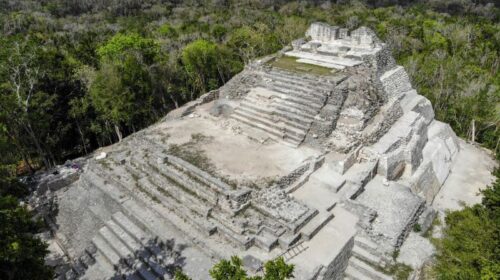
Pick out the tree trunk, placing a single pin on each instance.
(21, 151)
(473, 134)
(27, 161)
(108, 133)
(118, 133)
(38, 147)
(82, 137)
(176, 104)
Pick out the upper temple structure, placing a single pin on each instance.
(323, 154)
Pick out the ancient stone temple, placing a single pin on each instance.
(322, 153)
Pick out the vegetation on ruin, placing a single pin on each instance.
(291, 64)
(470, 248)
(233, 269)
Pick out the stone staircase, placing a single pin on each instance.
(78, 268)
(129, 252)
(285, 105)
(204, 202)
(364, 261)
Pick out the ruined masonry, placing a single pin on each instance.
(322, 153)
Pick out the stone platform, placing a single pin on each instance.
(330, 171)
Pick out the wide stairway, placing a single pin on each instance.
(364, 261)
(129, 251)
(204, 203)
(285, 104)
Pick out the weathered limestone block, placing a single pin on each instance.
(437, 151)
(397, 207)
(426, 219)
(378, 126)
(399, 134)
(395, 82)
(425, 183)
(444, 131)
(414, 148)
(338, 265)
(342, 165)
(323, 32)
(418, 103)
(392, 164)
(278, 204)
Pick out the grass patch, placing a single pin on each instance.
(399, 271)
(417, 227)
(436, 222)
(191, 153)
(291, 64)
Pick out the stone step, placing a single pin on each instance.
(125, 237)
(365, 255)
(144, 272)
(213, 182)
(114, 242)
(316, 224)
(286, 107)
(288, 239)
(321, 63)
(306, 97)
(366, 244)
(292, 113)
(241, 241)
(299, 103)
(263, 119)
(293, 77)
(309, 89)
(266, 241)
(297, 100)
(289, 76)
(366, 271)
(106, 250)
(131, 228)
(196, 189)
(289, 119)
(162, 190)
(273, 133)
(352, 273)
(101, 266)
(182, 211)
(361, 173)
(325, 58)
(289, 105)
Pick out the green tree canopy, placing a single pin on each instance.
(200, 61)
(122, 45)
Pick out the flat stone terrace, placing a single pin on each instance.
(233, 154)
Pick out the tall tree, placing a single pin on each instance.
(20, 72)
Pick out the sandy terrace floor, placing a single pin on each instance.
(470, 173)
(234, 155)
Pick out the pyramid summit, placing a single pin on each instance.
(322, 153)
